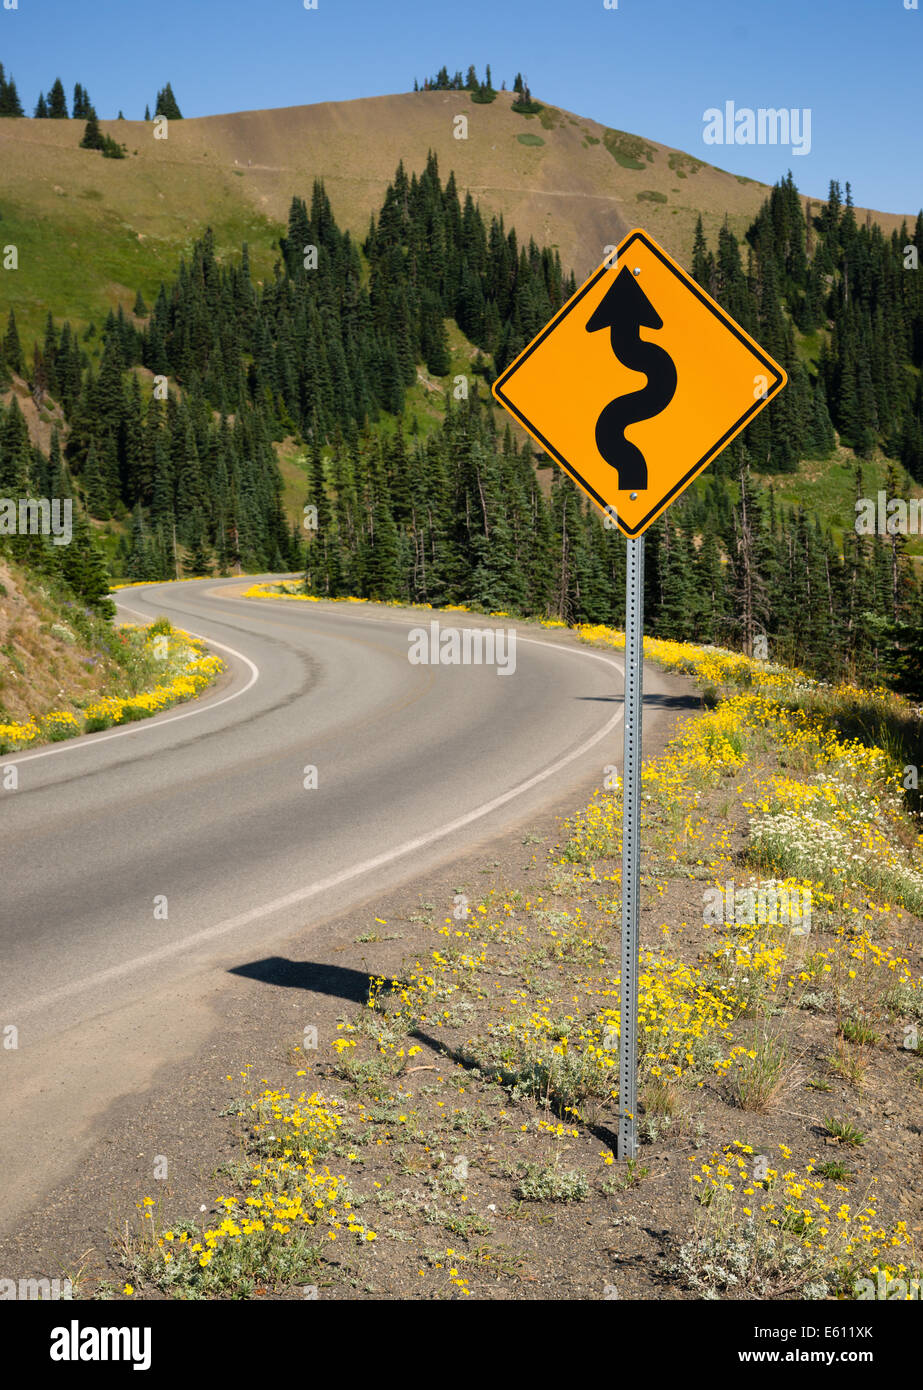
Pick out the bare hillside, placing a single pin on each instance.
(561, 178)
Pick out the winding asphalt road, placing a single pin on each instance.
(143, 854)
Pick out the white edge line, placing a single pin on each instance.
(323, 885)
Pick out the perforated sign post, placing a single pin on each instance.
(577, 391)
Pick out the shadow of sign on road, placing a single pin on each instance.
(338, 981)
(690, 702)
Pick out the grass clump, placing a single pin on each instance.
(548, 1183)
(845, 1131)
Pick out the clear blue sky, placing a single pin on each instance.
(651, 67)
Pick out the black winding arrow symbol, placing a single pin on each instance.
(625, 309)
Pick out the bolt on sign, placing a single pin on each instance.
(634, 445)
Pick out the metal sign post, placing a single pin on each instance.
(631, 851)
(575, 389)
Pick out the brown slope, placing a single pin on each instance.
(567, 192)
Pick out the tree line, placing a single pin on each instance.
(483, 92)
(464, 517)
(848, 292)
(54, 105)
(325, 350)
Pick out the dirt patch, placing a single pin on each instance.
(43, 665)
(41, 419)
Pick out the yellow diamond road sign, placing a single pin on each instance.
(638, 383)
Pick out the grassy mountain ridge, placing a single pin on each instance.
(91, 231)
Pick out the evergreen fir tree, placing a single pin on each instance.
(111, 148)
(84, 567)
(166, 104)
(12, 351)
(10, 105)
(96, 486)
(92, 136)
(57, 101)
(199, 558)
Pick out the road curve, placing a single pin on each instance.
(141, 854)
